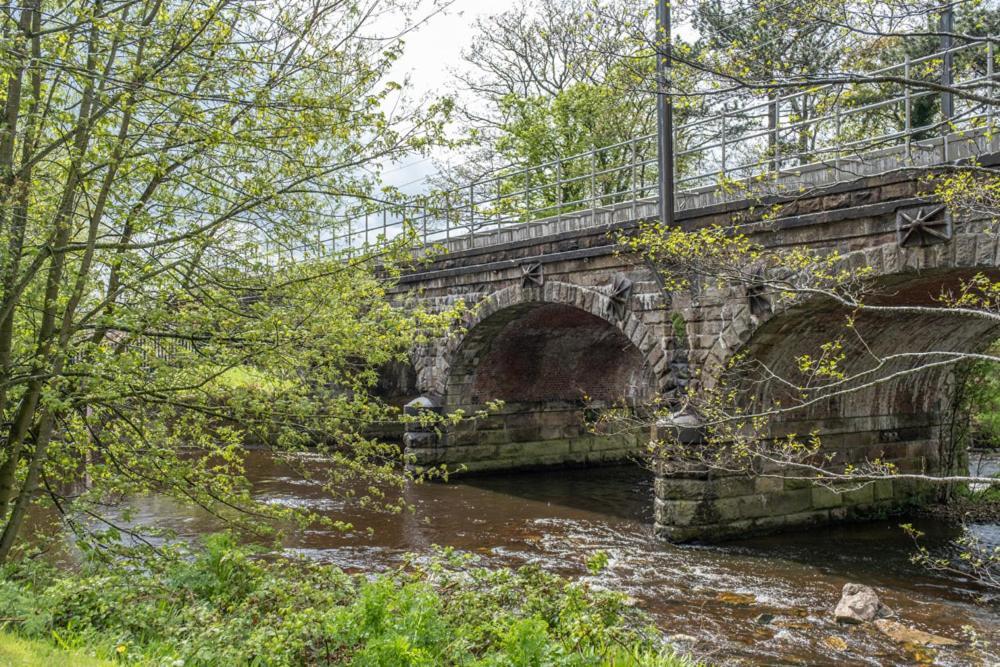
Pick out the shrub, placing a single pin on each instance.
(227, 605)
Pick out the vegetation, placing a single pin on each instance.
(16, 651)
(982, 393)
(160, 163)
(226, 607)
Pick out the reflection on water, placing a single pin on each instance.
(558, 518)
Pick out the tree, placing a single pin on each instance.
(155, 155)
(554, 91)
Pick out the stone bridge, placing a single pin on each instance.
(563, 323)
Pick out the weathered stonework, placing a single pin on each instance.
(562, 321)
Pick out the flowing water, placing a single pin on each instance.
(787, 584)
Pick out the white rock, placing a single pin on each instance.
(860, 604)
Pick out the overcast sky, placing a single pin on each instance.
(430, 51)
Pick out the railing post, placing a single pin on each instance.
(635, 185)
(559, 189)
(723, 143)
(472, 211)
(908, 107)
(989, 83)
(837, 141)
(947, 64)
(947, 25)
(593, 185)
(527, 194)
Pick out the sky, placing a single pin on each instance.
(434, 48)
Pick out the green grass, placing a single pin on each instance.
(18, 652)
(247, 378)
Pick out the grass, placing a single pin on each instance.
(247, 378)
(18, 652)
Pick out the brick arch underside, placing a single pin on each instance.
(549, 363)
(540, 352)
(898, 408)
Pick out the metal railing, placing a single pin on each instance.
(745, 143)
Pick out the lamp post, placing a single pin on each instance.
(664, 113)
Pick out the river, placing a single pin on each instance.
(558, 518)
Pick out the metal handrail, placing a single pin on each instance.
(760, 139)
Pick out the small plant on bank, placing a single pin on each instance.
(225, 605)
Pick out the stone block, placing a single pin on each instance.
(525, 434)
(677, 512)
(911, 490)
(469, 453)
(672, 533)
(728, 487)
(672, 488)
(609, 456)
(788, 502)
(769, 485)
(883, 489)
(862, 496)
(533, 448)
(824, 498)
(741, 507)
(809, 518)
(965, 250)
(606, 442)
(796, 484)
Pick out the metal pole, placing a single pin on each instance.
(723, 143)
(907, 107)
(593, 185)
(559, 189)
(947, 27)
(989, 84)
(527, 195)
(635, 187)
(664, 113)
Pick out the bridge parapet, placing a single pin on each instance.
(794, 183)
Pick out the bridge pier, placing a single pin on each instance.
(709, 505)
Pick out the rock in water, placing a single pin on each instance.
(860, 604)
(738, 599)
(906, 635)
(836, 643)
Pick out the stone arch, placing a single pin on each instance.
(592, 300)
(551, 353)
(971, 251)
(904, 418)
(894, 406)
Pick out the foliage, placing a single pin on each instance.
(171, 175)
(19, 652)
(982, 393)
(969, 557)
(226, 607)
